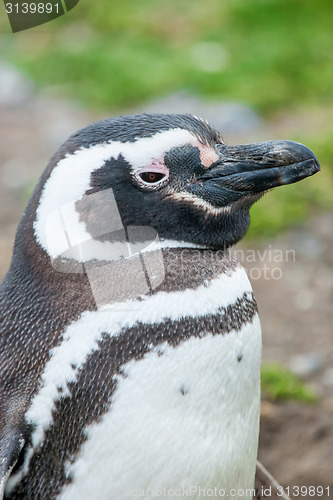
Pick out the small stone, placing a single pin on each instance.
(328, 377)
(307, 244)
(15, 89)
(231, 116)
(304, 365)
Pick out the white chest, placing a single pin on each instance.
(184, 417)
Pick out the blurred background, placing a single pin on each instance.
(257, 70)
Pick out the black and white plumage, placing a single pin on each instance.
(130, 339)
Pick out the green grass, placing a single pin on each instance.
(280, 384)
(111, 55)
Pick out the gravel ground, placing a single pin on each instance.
(294, 295)
(296, 441)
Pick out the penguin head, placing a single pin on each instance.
(172, 174)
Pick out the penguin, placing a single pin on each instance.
(130, 338)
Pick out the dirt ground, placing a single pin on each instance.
(294, 297)
(296, 440)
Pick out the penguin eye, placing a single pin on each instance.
(152, 177)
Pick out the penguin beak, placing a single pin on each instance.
(251, 169)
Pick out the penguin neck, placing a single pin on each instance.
(190, 267)
(165, 265)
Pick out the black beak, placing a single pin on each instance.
(251, 169)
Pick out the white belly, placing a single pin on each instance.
(188, 418)
(185, 419)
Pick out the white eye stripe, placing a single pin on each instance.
(70, 178)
